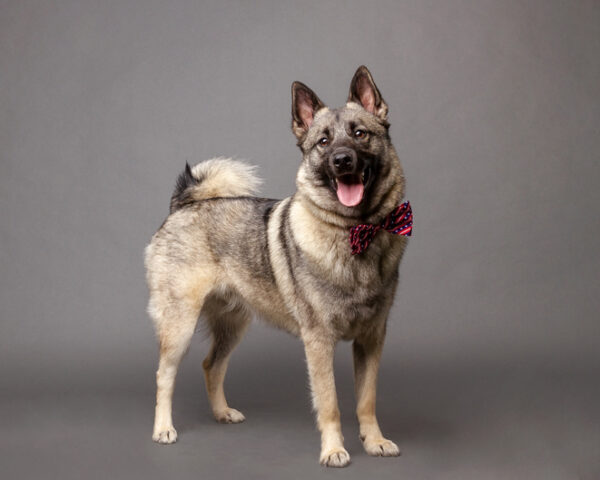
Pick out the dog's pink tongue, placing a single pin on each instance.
(350, 194)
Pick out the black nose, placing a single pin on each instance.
(343, 162)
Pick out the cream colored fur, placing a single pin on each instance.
(224, 177)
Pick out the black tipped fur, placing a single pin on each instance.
(181, 195)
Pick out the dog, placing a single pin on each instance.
(313, 264)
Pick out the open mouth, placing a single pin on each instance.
(350, 189)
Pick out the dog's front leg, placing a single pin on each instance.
(367, 352)
(319, 356)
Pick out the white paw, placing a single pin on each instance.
(230, 415)
(165, 436)
(381, 447)
(337, 457)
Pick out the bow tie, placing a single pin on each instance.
(398, 222)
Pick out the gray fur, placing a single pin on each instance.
(229, 254)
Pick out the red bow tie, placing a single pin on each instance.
(399, 222)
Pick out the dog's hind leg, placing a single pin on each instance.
(227, 323)
(176, 319)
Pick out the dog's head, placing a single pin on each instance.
(350, 169)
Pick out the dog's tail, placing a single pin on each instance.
(217, 177)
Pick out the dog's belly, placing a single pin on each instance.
(346, 315)
(263, 297)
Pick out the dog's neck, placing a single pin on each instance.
(391, 200)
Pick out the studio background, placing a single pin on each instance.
(491, 363)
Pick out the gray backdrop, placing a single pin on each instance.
(492, 359)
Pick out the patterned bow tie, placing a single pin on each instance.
(399, 222)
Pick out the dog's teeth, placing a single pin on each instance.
(362, 177)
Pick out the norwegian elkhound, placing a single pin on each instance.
(312, 264)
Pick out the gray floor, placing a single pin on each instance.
(516, 421)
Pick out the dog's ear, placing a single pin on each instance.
(305, 104)
(364, 92)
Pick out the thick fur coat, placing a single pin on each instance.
(224, 254)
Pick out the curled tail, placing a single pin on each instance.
(217, 177)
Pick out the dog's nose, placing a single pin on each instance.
(343, 162)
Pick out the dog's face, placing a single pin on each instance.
(350, 167)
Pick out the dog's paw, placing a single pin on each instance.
(230, 415)
(381, 447)
(165, 436)
(337, 457)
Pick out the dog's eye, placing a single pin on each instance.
(360, 133)
(324, 142)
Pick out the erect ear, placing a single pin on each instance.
(305, 104)
(364, 92)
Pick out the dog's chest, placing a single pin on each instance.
(353, 291)
(330, 285)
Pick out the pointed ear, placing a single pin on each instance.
(364, 92)
(305, 104)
